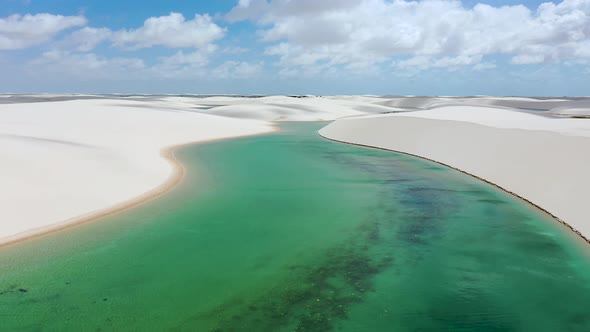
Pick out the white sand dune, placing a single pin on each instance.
(539, 158)
(573, 109)
(68, 158)
(504, 118)
(282, 108)
(62, 161)
(572, 112)
(423, 103)
(522, 103)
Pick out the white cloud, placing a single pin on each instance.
(256, 9)
(237, 69)
(527, 59)
(423, 62)
(235, 50)
(193, 59)
(434, 33)
(458, 61)
(170, 31)
(87, 65)
(18, 31)
(72, 55)
(484, 66)
(183, 64)
(87, 39)
(180, 65)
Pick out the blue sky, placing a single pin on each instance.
(428, 47)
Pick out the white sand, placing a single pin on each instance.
(281, 108)
(66, 161)
(544, 160)
(62, 161)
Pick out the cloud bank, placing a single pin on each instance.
(311, 40)
(22, 31)
(172, 31)
(442, 33)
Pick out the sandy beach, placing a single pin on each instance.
(540, 158)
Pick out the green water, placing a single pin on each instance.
(290, 232)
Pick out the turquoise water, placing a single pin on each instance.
(290, 232)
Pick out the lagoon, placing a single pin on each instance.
(290, 232)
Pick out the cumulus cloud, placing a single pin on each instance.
(527, 59)
(87, 65)
(184, 64)
(426, 62)
(237, 69)
(91, 66)
(170, 31)
(269, 10)
(180, 65)
(484, 66)
(433, 33)
(22, 31)
(88, 38)
(193, 59)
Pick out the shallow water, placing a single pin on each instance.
(290, 232)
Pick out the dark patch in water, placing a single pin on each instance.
(434, 168)
(454, 312)
(539, 244)
(372, 230)
(318, 296)
(14, 289)
(492, 201)
(578, 322)
(394, 181)
(8, 290)
(434, 191)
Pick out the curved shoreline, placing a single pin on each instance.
(571, 228)
(177, 174)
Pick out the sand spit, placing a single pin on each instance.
(541, 159)
(69, 159)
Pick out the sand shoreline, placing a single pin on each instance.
(540, 208)
(176, 176)
(69, 162)
(77, 159)
(178, 172)
(539, 159)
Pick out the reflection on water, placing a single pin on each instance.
(288, 232)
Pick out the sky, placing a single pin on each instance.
(391, 47)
